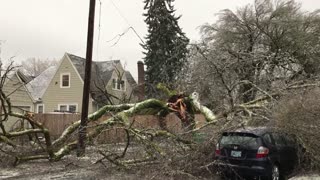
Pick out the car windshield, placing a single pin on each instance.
(242, 139)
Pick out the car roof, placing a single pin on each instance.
(251, 130)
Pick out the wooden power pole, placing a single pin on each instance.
(86, 86)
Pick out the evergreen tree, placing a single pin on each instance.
(166, 45)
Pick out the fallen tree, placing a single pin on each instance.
(38, 140)
(180, 150)
(64, 145)
(55, 150)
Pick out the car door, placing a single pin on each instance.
(273, 151)
(292, 151)
(283, 150)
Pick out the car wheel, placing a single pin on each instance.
(275, 173)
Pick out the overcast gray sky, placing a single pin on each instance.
(49, 28)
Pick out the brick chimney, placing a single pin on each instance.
(141, 85)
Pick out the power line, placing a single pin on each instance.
(100, 4)
(118, 36)
(120, 13)
(99, 30)
(134, 30)
(128, 23)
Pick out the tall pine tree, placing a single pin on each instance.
(166, 45)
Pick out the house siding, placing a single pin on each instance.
(56, 95)
(19, 97)
(119, 93)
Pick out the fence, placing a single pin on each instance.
(57, 123)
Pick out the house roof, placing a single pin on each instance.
(101, 73)
(38, 85)
(99, 68)
(22, 78)
(131, 79)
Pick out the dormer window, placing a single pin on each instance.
(65, 80)
(118, 84)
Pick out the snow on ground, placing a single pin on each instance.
(306, 177)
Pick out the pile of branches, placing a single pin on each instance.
(299, 114)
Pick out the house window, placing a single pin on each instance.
(118, 84)
(40, 108)
(65, 80)
(73, 108)
(63, 107)
(68, 108)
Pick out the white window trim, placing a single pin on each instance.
(122, 90)
(61, 80)
(68, 105)
(38, 108)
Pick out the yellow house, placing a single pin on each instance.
(61, 88)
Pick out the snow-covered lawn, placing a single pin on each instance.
(306, 177)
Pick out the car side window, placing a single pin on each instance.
(267, 139)
(290, 140)
(280, 141)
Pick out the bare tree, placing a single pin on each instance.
(255, 53)
(35, 66)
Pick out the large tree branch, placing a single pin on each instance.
(210, 117)
(121, 118)
(91, 118)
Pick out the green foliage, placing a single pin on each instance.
(166, 45)
(163, 88)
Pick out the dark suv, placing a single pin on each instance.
(261, 153)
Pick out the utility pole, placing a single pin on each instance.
(86, 86)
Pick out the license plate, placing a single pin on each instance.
(236, 153)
